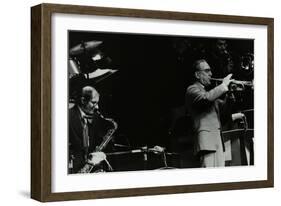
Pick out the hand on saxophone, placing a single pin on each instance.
(157, 149)
(96, 157)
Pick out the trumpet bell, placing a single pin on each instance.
(236, 87)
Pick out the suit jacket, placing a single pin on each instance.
(96, 130)
(204, 108)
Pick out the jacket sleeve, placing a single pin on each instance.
(197, 96)
(75, 152)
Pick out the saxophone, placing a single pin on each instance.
(106, 139)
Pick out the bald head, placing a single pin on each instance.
(89, 99)
(198, 64)
(88, 92)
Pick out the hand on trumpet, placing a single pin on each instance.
(238, 82)
(227, 80)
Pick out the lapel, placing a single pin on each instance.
(75, 121)
(216, 106)
(200, 86)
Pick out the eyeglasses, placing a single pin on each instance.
(205, 70)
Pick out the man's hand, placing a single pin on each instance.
(237, 116)
(157, 149)
(96, 158)
(226, 80)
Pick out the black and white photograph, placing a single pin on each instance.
(156, 102)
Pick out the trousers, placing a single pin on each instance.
(213, 158)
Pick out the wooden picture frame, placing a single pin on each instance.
(41, 101)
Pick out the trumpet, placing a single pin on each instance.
(236, 85)
(234, 81)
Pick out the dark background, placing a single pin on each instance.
(153, 74)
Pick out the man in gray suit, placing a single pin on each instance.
(204, 107)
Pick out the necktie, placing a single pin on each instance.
(85, 136)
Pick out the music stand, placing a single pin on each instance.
(245, 137)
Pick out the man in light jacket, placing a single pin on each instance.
(204, 106)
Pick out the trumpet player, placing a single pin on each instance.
(205, 106)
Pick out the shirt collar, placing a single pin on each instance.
(200, 85)
(83, 115)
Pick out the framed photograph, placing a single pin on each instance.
(132, 102)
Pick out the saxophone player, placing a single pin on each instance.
(85, 131)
